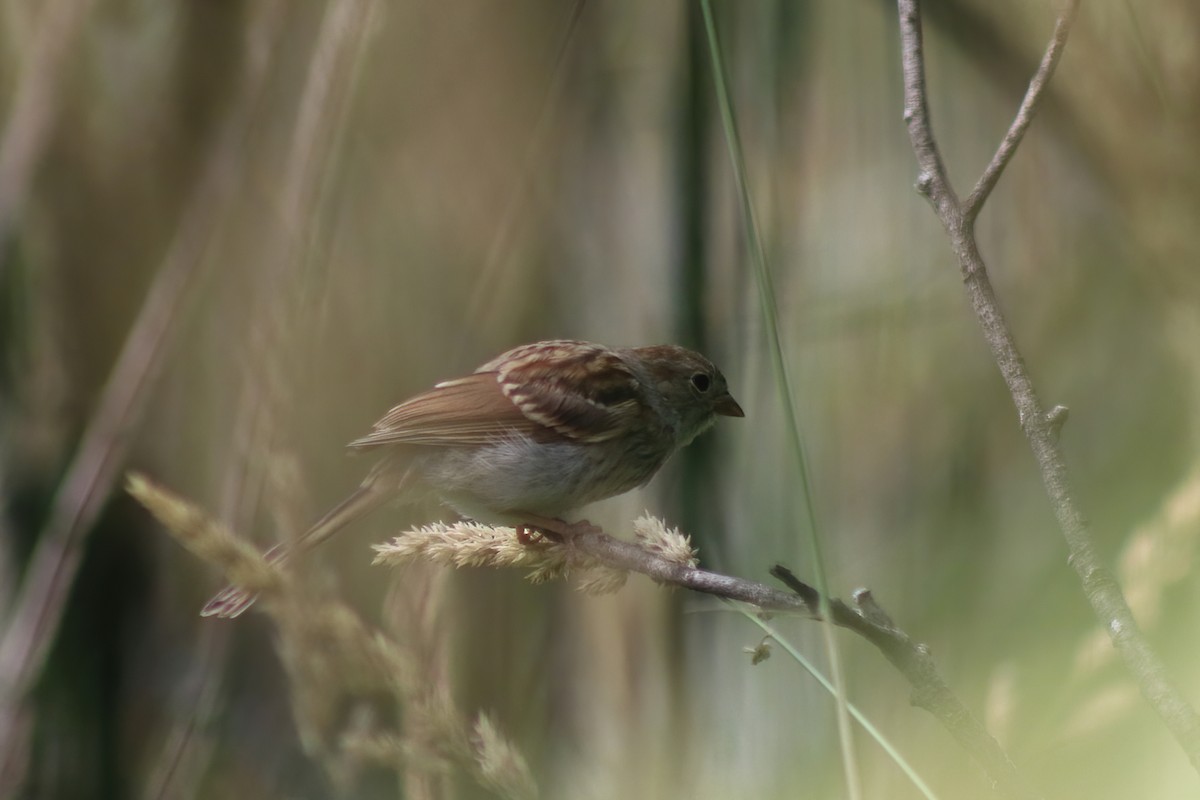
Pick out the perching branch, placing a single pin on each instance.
(1041, 429)
(657, 556)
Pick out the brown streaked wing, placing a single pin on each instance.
(580, 390)
(463, 412)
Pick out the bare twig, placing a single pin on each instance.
(1020, 123)
(498, 547)
(1040, 428)
(930, 690)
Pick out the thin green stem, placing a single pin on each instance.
(868, 726)
(766, 291)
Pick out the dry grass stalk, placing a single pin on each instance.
(334, 661)
(469, 544)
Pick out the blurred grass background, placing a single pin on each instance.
(477, 175)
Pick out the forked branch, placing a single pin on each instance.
(1040, 428)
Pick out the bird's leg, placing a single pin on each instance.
(528, 534)
(552, 528)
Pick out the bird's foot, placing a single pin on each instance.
(556, 530)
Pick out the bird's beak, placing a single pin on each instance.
(728, 407)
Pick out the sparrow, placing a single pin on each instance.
(529, 437)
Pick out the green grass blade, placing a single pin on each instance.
(766, 291)
(868, 726)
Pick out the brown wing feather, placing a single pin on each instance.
(458, 413)
(579, 390)
(549, 390)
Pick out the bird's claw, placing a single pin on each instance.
(555, 530)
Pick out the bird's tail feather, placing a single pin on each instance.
(233, 600)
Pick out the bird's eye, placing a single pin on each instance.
(701, 382)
